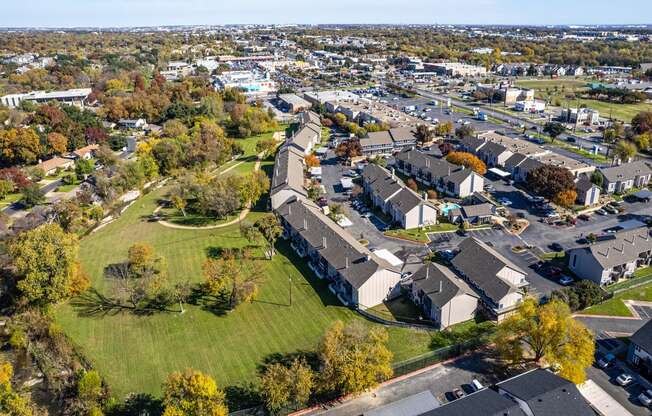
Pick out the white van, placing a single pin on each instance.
(477, 386)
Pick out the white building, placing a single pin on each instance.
(251, 82)
(75, 97)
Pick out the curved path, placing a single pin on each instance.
(241, 217)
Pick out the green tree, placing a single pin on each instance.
(354, 358)
(270, 228)
(89, 388)
(465, 131)
(549, 181)
(624, 150)
(83, 168)
(6, 187)
(192, 393)
(547, 334)
(253, 186)
(45, 262)
(236, 277)
(32, 195)
(265, 146)
(597, 178)
(282, 386)
(11, 403)
(554, 130)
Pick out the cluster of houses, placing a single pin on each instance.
(537, 392)
(363, 278)
(551, 70)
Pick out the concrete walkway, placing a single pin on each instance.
(242, 216)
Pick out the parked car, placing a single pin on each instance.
(645, 398)
(571, 139)
(565, 280)
(610, 209)
(552, 271)
(606, 361)
(624, 379)
(584, 217)
(458, 393)
(476, 385)
(601, 212)
(556, 247)
(505, 201)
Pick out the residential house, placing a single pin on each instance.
(618, 179)
(403, 137)
(613, 259)
(377, 143)
(475, 214)
(497, 280)
(287, 178)
(358, 277)
(444, 298)
(134, 124)
(85, 152)
(442, 175)
(588, 193)
(640, 350)
(539, 392)
(51, 166)
(393, 198)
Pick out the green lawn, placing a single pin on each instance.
(615, 305)
(10, 199)
(542, 84)
(420, 234)
(135, 353)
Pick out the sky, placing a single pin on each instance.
(124, 13)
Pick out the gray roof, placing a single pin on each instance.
(478, 210)
(624, 247)
(493, 149)
(377, 138)
(472, 143)
(381, 182)
(406, 200)
(514, 160)
(295, 100)
(483, 403)
(626, 171)
(403, 133)
(288, 171)
(438, 168)
(481, 264)
(584, 184)
(440, 284)
(343, 252)
(304, 138)
(460, 176)
(547, 394)
(643, 337)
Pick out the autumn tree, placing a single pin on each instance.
(424, 133)
(6, 187)
(549, 181)
(20, 145)
(547, 334)
(464, 131)
(11, 403)
(565, 198)
(349, 149)
(236, 277)
(265, 146)
(412, 184)
(444, 129)
(270, 229)
(192, 393)
(642, 122)
(253, 186)
(624, 150)
(283, 386)
(57, 143)
(45, 260)
(174, 129)
(312, 161)
(354, 358)
(467, 160)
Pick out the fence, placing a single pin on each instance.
(409, 323)
(434, 357)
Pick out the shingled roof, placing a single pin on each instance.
(440, 284)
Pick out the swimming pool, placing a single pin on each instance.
(448, 206)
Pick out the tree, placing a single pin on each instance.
(565, 198)
(45, 262)
(105, 156)
(349, 149)
(554, 129)
(282, 386)
(236, 277)
(467, 160)
(270, 228)
(354, 358)
(432, 194)
(547, 334)
(89, 387)
(57, 143)
(642, 122)
(444, 129)
(411, 183)
(192, 393)
(32, 196)
(643, 141)
(624, 150)
(174, 129)
(83, 168)
(312, 161)
(335, 211)
(6, 187)
(424, 133)
(11, 403)
(265, 146)
(597, 178)
(20, 145)
(465, 131)
(180, 204)
(548, 181)
(182, 291)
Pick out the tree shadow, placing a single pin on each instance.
(215, 304)
(311, 358)
(137, 405)
(239, 397)
(94, 304)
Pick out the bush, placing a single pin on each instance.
(68, 179)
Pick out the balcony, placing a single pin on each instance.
(301, 252)
(316, 269)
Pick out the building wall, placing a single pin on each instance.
(512, 276)
(461, 308)
(384, 284)
(584, 266)
(472, 184)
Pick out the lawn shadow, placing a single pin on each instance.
(309, 357)
(319, 286)
(138, 405)
(246, 396)
(215, 304)
(93, 304)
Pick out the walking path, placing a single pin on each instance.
(241, 217)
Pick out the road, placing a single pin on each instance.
(512, 120)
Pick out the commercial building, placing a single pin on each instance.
(505, 93)
(77, 97)
(530, 106)
(251, 82)
(584, 116)
(401, 204)
(454, 69)
(613, 259)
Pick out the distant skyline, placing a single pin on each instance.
(125, 13)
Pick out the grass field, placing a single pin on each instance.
(420, 234)
(543, 84)
(615, 305)
(135, 353)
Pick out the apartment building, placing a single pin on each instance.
(455, 69)
(618, 179)
(505, 93)
(288, 176)
(585, 116)
(640, 350)
(393, 198)
(613, 259)
(308, 135)
(387, 142)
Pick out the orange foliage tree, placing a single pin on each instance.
(467, 160)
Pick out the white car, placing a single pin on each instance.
(565, 280)
(505, 201)
(624, 379)
(645, 398)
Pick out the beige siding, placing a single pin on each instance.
(381, 286)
